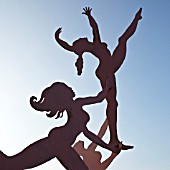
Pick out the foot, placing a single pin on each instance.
(126, 147)
(138, 14)
(119, 145)
(116, 148)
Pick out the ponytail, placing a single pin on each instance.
(79, 65)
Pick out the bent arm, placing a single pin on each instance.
(93, 24)
(62, 43)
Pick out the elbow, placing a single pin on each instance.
(56, 38)
(100, 97)
(56, 35)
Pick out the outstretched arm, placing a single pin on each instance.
(101, 95)
(100, 134)
(99, 141)
(93, 24)
(96, 139)
(62, 43)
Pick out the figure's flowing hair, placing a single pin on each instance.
(53, 99)
(79, 65)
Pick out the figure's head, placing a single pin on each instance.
(80, 46)
(54, 99)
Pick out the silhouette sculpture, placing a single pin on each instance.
(54, 100)
(91, 157)
(108, 64)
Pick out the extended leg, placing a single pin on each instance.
(32, 156)
(120, 51)
(132, 28)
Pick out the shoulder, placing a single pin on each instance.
(79, 102)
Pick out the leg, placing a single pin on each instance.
(112, 119)
(111, 112)
(132, 28)
(120, 51)
(32, 156)
(70, 159)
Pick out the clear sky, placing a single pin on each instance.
(31, 60)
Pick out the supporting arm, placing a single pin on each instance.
(101, 95)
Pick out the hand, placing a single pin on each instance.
(87, 11)
(57, 33)
(109, 81)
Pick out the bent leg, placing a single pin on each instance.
(32, 156)
(120, 51)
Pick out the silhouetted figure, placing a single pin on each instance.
(54, 100)
(91, 157)
(108, 64)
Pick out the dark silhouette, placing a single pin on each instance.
(54, 100)
(91, 157)
(108, 64)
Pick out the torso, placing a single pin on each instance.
(66, 135)
(105, 61)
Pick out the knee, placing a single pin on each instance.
(113, 104)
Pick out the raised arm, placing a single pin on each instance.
(62, 43)
(101, 95)
(93, 24)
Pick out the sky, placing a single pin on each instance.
(31, 60)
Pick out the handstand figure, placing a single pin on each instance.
(54, 100)
(91, 157)
(108, 64)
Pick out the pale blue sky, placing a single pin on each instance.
(30, 60)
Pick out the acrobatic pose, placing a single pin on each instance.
(108, 64)
(91, 157)
(54, 100)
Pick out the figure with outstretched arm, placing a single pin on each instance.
(91, 157)
(108, 64)
(54, 100)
